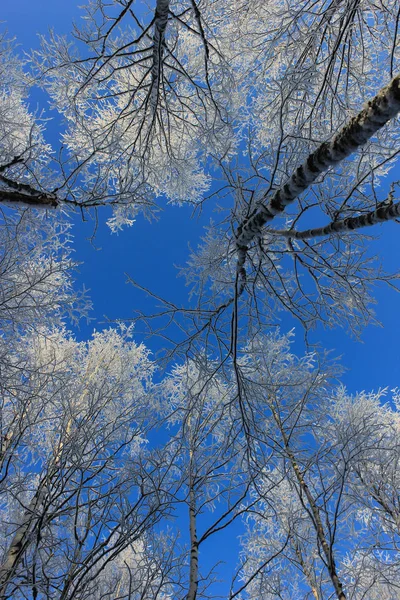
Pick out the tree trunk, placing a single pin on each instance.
(194, 545)
(317, 521)
(21, 537)
(356, 133)
(307, 571)
(160, 25)
(32, 515)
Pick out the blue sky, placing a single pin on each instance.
(149, 254)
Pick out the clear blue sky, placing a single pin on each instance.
(149, 254)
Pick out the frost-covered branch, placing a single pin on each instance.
(356, 133)
(315, 511)
(37, 200)
(386, 212)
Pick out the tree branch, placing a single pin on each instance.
(356, 133)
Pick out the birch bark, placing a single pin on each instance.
(32, 515)
(194, 545)
(356, 133)
(380, 215)
(160, 25)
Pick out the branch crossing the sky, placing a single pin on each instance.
(386, 212)
(379, 110)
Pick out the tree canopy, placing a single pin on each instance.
(118, 470)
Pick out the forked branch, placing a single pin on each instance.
(379, 110)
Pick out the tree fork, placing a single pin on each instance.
(356, 133)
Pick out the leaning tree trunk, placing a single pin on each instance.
(34, 512)
(310, 577)
(160, 25)
(317, 520)
(22, 536)
(379, 110)
(31, 518)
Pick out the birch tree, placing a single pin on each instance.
(145, 103)
(209, 461)
(322, 528)
(25, 179)
(154, 95)
(37, 274)
(76, 492)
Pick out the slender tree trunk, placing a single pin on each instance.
(21, 538)
(307, 571)
(194, 545)
(317, 521)
(356, 133)
(384, 213)
(160, 25)
(5, 444)
(32, 515)
(9, 437)
(318, 525)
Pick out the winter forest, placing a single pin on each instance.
(199, 276)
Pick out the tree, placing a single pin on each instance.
(150, 103)
(208, 455)
(296, 107)
(153, 94)
(77, 487)
(36, 285)
(322, 527)
(24, 177)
